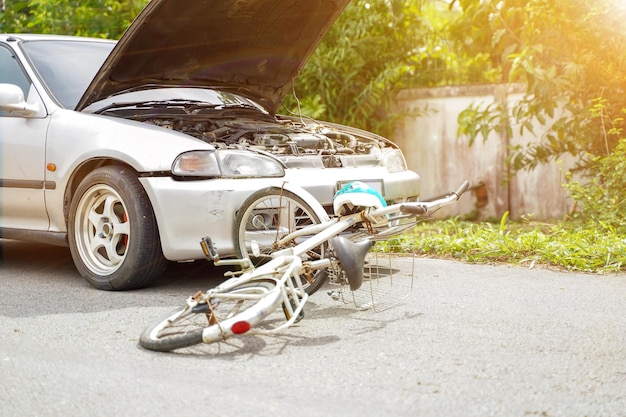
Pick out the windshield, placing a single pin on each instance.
(188, 100)
(67, 66)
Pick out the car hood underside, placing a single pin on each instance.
(253, 47)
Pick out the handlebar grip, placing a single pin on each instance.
(416, 210)
(462, 188)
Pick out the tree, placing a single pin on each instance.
(569, 53)
(375, 49)
(97, 18)
(365, 57)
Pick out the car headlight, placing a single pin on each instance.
(226, 163)
(394, 161)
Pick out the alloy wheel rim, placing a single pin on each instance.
(102, 230)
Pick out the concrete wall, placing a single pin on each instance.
(428, 136)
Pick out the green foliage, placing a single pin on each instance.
(576, 246)
(97, 18)
(375, 49)
(362, 62)
(602, 198)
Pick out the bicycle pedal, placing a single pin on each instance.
(202, 307)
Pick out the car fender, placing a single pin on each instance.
(74, 139)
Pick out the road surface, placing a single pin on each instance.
(470, 340)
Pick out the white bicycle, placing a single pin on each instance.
(288, 247)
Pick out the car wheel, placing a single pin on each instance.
(112, 231)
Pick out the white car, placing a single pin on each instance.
(130, 152)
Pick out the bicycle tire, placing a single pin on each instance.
(256, 216)
(180, 328)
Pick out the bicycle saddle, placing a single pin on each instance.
(351, 256)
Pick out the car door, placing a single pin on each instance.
(22, 154)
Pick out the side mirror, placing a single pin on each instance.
(12, 101)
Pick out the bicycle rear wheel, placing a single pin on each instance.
(266, 217)
(184, 327)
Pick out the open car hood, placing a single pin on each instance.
(253, 47)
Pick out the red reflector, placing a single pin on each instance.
(240, 327)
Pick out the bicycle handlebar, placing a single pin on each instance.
(462, 189)
(422, 208)
(415, 210)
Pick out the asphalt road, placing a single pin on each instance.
(470, 340)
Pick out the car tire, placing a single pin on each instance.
(112, 231)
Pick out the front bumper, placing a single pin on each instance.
(186, 211)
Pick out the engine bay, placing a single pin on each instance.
(282, 138)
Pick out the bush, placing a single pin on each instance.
(602, 197)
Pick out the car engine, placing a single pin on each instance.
(284, 138)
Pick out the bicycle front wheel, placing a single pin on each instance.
(267, 216)
(184, 327)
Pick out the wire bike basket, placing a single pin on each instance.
(388, 273)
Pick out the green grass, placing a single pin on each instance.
(575, 246)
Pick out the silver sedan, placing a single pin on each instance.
(130, 152)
